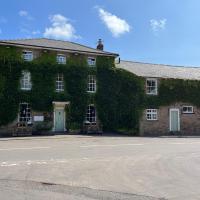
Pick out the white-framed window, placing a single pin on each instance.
(188, 109)
(91, 114)
(25, 81)
(152, 114)
(60, 82)
(91, 61)
(25, 113)
(61, 59)
(27, 55)
(91, 83)
(151, 86)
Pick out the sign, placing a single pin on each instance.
(38, 118)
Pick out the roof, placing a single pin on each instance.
(59, 45)
(160, 71)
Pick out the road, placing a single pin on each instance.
(76, 167)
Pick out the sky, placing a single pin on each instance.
(151, 31)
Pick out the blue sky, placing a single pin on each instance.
(154, 31)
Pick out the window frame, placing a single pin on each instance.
(151, 114)
(28, 59)
(92, 84)
(148, 92)
(92, 63)
(63, 61)
(25, 81)
(28, 117)
(60, 86)
(91, 119)
(188, 112)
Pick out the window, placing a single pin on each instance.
(151, 86)
(25, 113)
(151, 114)
(91, 62)
(27, 55)
(59, 83)
(91, 83)
(188, 109)
(25, 81)
(61, 59)
(91, 114)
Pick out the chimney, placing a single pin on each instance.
(100, 45)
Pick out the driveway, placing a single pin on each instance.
(92, 167)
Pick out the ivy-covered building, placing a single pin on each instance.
(48, 85)
(172, 98)
(54, 86)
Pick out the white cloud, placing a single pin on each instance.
(60, 28)
(115, 25)
(25, 14)
(157, 25)
(35, 32)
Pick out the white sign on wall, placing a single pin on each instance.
(38, 118)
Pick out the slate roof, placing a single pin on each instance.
(160, 71)
(52, 44)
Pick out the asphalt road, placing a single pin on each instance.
(110, 168)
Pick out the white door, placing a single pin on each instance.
(174, 120)
(59, 120)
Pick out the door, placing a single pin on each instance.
(174, 120)
(59, 120)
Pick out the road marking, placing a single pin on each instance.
(24, 148)
(184, 143)
(110, 145)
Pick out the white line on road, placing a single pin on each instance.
(110, 145)
(24, 148)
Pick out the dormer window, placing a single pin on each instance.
(27, 55)
(61, 59)
(91, 62)
(151, 86)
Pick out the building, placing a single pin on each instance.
(42, 98)
(28, 119)
(176, 118)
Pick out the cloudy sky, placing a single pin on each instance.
(152, 31)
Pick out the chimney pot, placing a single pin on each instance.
(100, 45)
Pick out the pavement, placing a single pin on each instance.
(79, 167)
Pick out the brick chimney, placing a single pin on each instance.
(100, 45)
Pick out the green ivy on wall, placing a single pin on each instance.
(120, 97)
(43, 76)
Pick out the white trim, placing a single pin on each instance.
(156, 86)
(29, 57)
(170, 125)
(188, 112)
(59, 106)
(152, 112)
(91, 65)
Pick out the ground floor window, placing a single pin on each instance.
(91, 114)
(151, 114)
(25, 113)
(187, 109)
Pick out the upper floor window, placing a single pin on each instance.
(151, 86)
(91, 61)
(188, 109)
(151, 114)
(27, 55)
(61, 59)
(25, 81)
(91, 114)
(59, 83)
(25, 113)
(91, 83)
